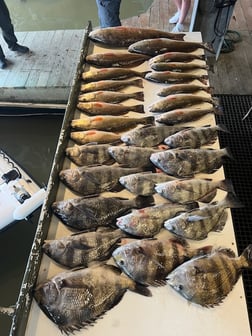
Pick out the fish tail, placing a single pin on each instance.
(179, 37)
(228, 153)
(138, 108)
(137, 82)
(227, 185)
(247, 255)
(203, 79)
(223, 128)
(144, 201)
(217, 106)
(209, 47)
(149, 120)
(232, 201)
(144, 73)
(138, 95)
(142, 290)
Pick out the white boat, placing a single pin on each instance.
(20, 195)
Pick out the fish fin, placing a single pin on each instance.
(138, 108)
(144, 73)
(227, 251)
(138, 95)
(203, 250)
(221, 222)
(144, 201)
(195, 218)
(148, 120)
(247, 255)
(232, 201)
(142, 290)
(208, 197)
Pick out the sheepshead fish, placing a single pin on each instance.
(110, 123)
(207, 280)
(131, 156)
(93, 180)
(185, 114)
(194, 137)
(82, 248)
(197, 223)
(155, 46)
(176, 57)
(110, 96)
(110, 85)
(178, 66)
(96, 75)
(192, 190)
(148, 136)
(88, 213)
(144, 183)
(187, 162)
(167, 77)
(75, 299)
(116, 59)
(102, 108)
(175, 101)
(90, 154)
(100, 137)
(147, 222)
(182, 88)
(148, 261)
(124, 36)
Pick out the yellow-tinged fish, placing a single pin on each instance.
(176, 57)
(100, 137)
(183, 88)
(110, 96)
(95, 75)
(123, 36)
(178, 66)
(110, 85)
(110, 123)
(207, 280)
(174, 77)
(102, 108)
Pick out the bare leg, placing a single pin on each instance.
(184, 10)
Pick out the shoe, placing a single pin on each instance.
(175, 18)
(19, 48)
(179, 28)
(3, 63)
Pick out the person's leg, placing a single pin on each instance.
(185, 6)
(3, 63)
(6, 25)
(109, 13)
(175, 17)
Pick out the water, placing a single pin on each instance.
(64, 14)
(31, 141)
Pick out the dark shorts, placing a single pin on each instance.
(109, 13)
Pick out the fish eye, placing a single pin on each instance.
(121, 262)
(180, 287)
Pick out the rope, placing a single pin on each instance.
(231, 37)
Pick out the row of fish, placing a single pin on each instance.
(144, 242)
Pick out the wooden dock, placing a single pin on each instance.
(45, 75)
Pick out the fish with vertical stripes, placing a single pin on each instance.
(148, 261)
(207, 280)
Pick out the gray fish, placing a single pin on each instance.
(75, 299)
(197, 223)
(115, 59)
(192, 190)
(187, 162)
(89, 154)
(96, 75)
(148, 136)
(147, 222)
(102, 108)
(123, 36)
(176, 57)
(82, 248)
(93, 180)
(178, 66)
(207, 280)
(110, 85)
(167, 77)
(88, 213)
(132, 156)
(178, 100)
(182, 88)
(185, 114)
(194, 137)
(110, 123)
(110, 96)
(155, 46)
(148, 261)
(144, 183)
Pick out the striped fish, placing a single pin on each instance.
(208, 279)
(187, 162)
(148, 261)
(197, 223)
(80, 249)
(194, 137)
